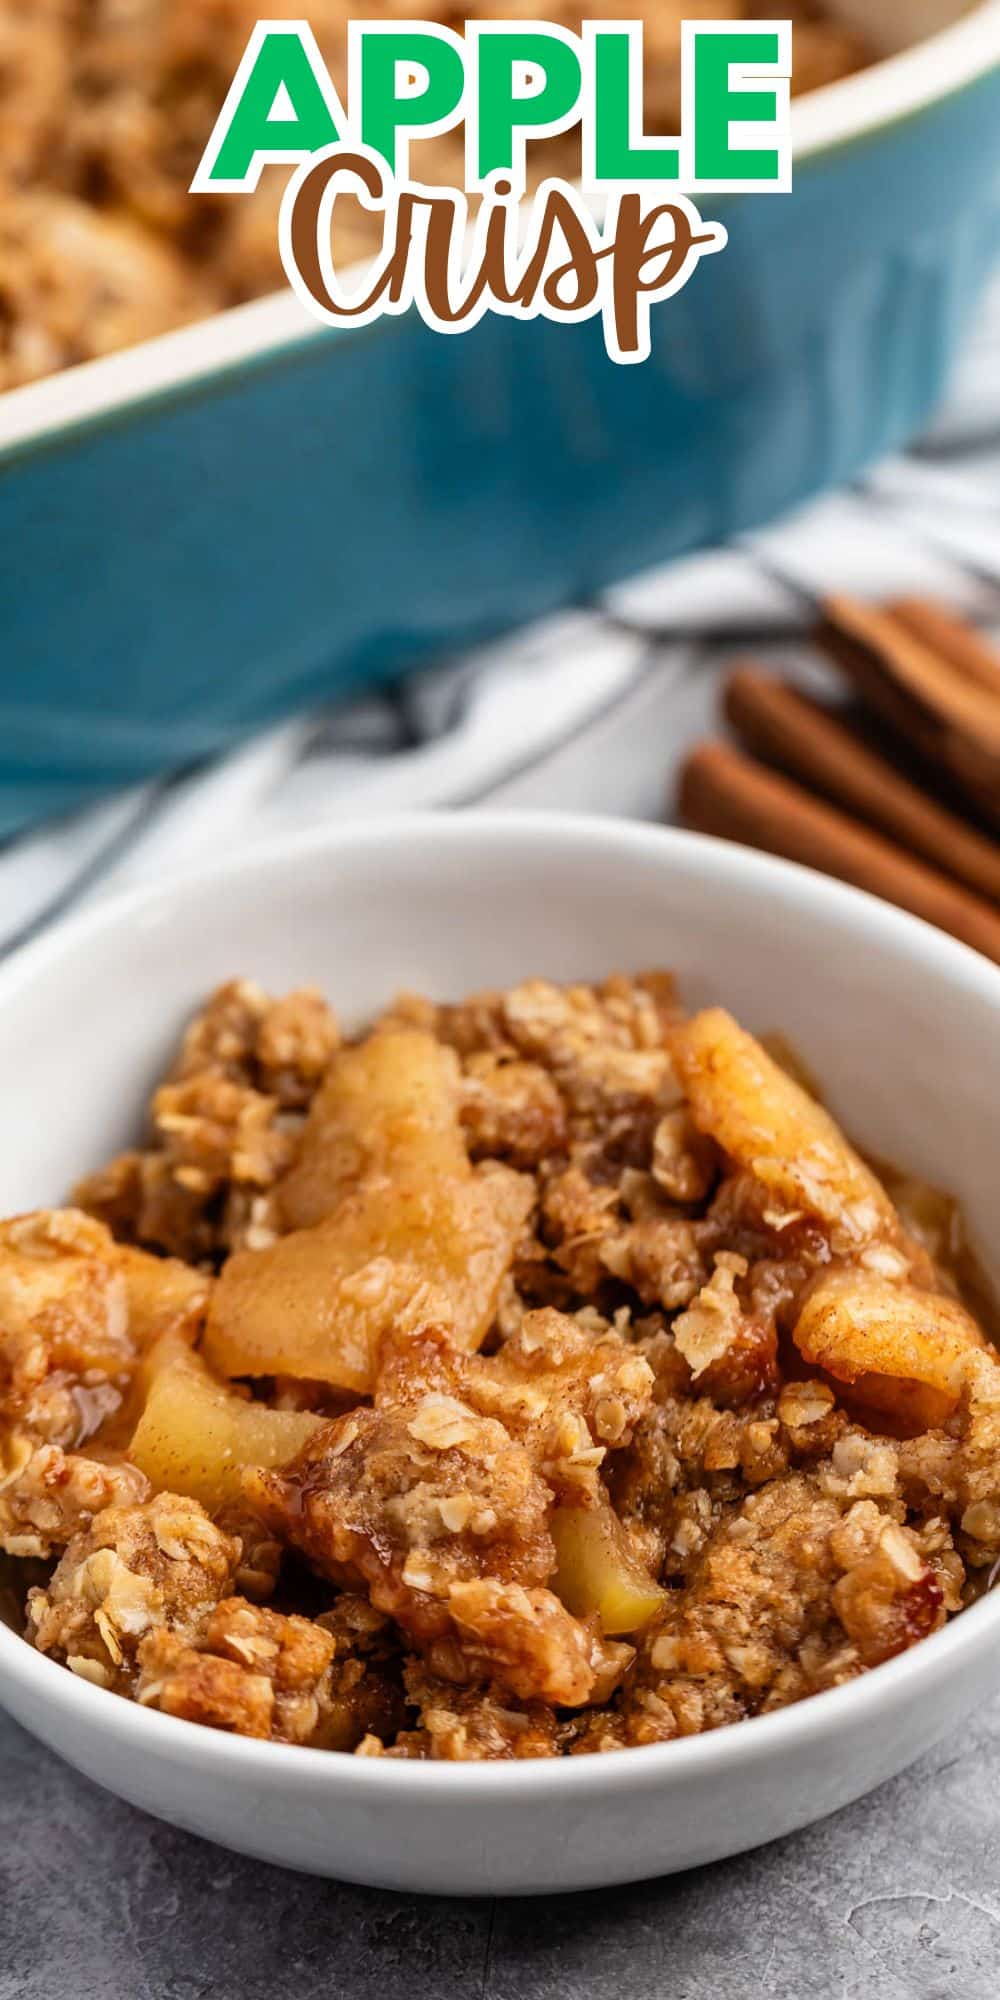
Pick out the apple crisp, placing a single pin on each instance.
(531, 1376)
(105, 111)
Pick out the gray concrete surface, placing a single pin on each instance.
(897, 1898)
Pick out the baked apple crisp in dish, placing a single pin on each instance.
(105, 111)
(530, 1376)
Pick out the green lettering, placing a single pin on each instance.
(282, 109)
(615, 157)
(502, 112)
(383, 112)
(717, 106)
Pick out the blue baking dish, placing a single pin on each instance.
(243, 518)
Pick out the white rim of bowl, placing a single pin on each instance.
(738, 1745)
(888, 91)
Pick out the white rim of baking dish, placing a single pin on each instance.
(733, 1748)
(887, 92)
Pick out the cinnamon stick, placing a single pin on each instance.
(789, 729)
(724, 793)
(951, 638)
(951, 720)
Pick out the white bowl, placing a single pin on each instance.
(900, 1024)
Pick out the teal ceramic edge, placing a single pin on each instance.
(352, 506)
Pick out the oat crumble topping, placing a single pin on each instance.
(535, 1375)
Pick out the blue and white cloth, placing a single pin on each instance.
(589, 711)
